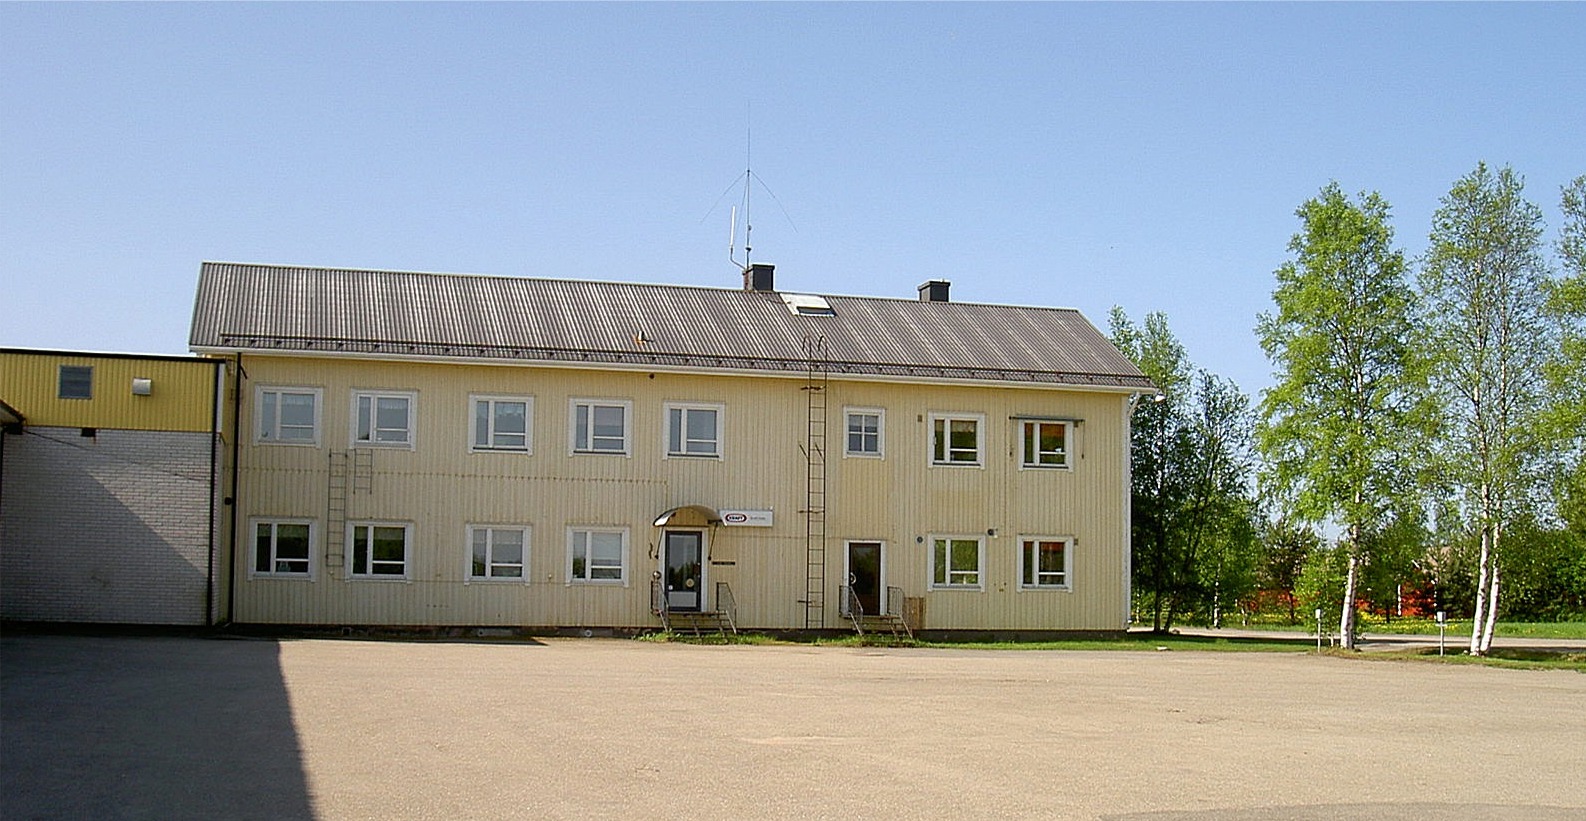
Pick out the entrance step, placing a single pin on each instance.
(697, 624)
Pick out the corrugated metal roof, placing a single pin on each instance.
(246, 307)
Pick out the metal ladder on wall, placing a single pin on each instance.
(349, 472)
(816, 353)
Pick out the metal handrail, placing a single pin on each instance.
(895, 609)
(852, 608)
(658, 603)
(895, 601)
(727, 606)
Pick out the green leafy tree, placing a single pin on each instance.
(1189, 477)
(1334, 429)
(1484, 285)
(1284, 546)
(1320, 585)
(1567, 305)
(1217, 527)
(1159, 442)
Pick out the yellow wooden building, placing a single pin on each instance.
(469, 451)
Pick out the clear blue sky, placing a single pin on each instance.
(1149, 156)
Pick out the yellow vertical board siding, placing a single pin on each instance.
(440, 487)
(919, 500)
(181, 399)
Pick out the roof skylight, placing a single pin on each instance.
(808, 305)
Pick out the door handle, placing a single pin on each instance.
(853, 579)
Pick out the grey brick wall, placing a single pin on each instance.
(108, 529)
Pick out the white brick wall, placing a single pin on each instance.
(108, 529)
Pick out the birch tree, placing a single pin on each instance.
(1567, 375)
(1334, 428)
(1484, 285)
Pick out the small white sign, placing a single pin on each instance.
(746, 518)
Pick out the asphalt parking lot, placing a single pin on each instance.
(190, 728)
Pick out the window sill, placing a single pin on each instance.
(386, 579)
(516, 451)
(280, 577)
(935, 464)
(503, 581)
(1045, 588)
(577, 452)
(956, 588)
(285, 443)
(1023, 466)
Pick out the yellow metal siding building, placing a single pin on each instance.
(454, 479)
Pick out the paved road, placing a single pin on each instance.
(181, 728)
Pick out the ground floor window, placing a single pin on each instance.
(957, 562)
(1044, 562)
(281, 548)
(498, 553)
(597, 555)
(378, 550)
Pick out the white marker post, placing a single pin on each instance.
(1318, 629)
(1442, 630)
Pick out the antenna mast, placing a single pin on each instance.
(748, 227)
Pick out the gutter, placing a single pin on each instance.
(236, 443)
(214, 486)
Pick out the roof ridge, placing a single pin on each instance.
(622, 283)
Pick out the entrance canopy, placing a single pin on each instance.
(688, 516)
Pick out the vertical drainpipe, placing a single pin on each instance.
(214, 485)
(1128, 506)
(231, 559)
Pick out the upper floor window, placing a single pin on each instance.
(956, 439)
(503, 423)
(382, 419)
(282, 548)
(693, 430)
(863, 428)
(288, 416)
(1044, 563)
(377, 550)
(597, 555)
(1044, 443)
(498, 553)
(601, 425)
(76, 382)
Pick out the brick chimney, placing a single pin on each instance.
(934, 290)
(758, 277)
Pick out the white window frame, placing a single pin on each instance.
(351, 548)
(525, 532)
(1025, 544)
(474, 400)
(274, 438)
(947, 419)
(881, 433)
(679, 450)
(576, 544)
(1024, 443)
(274, 524)
(374, 397)
(573, 430)
(948, 584)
